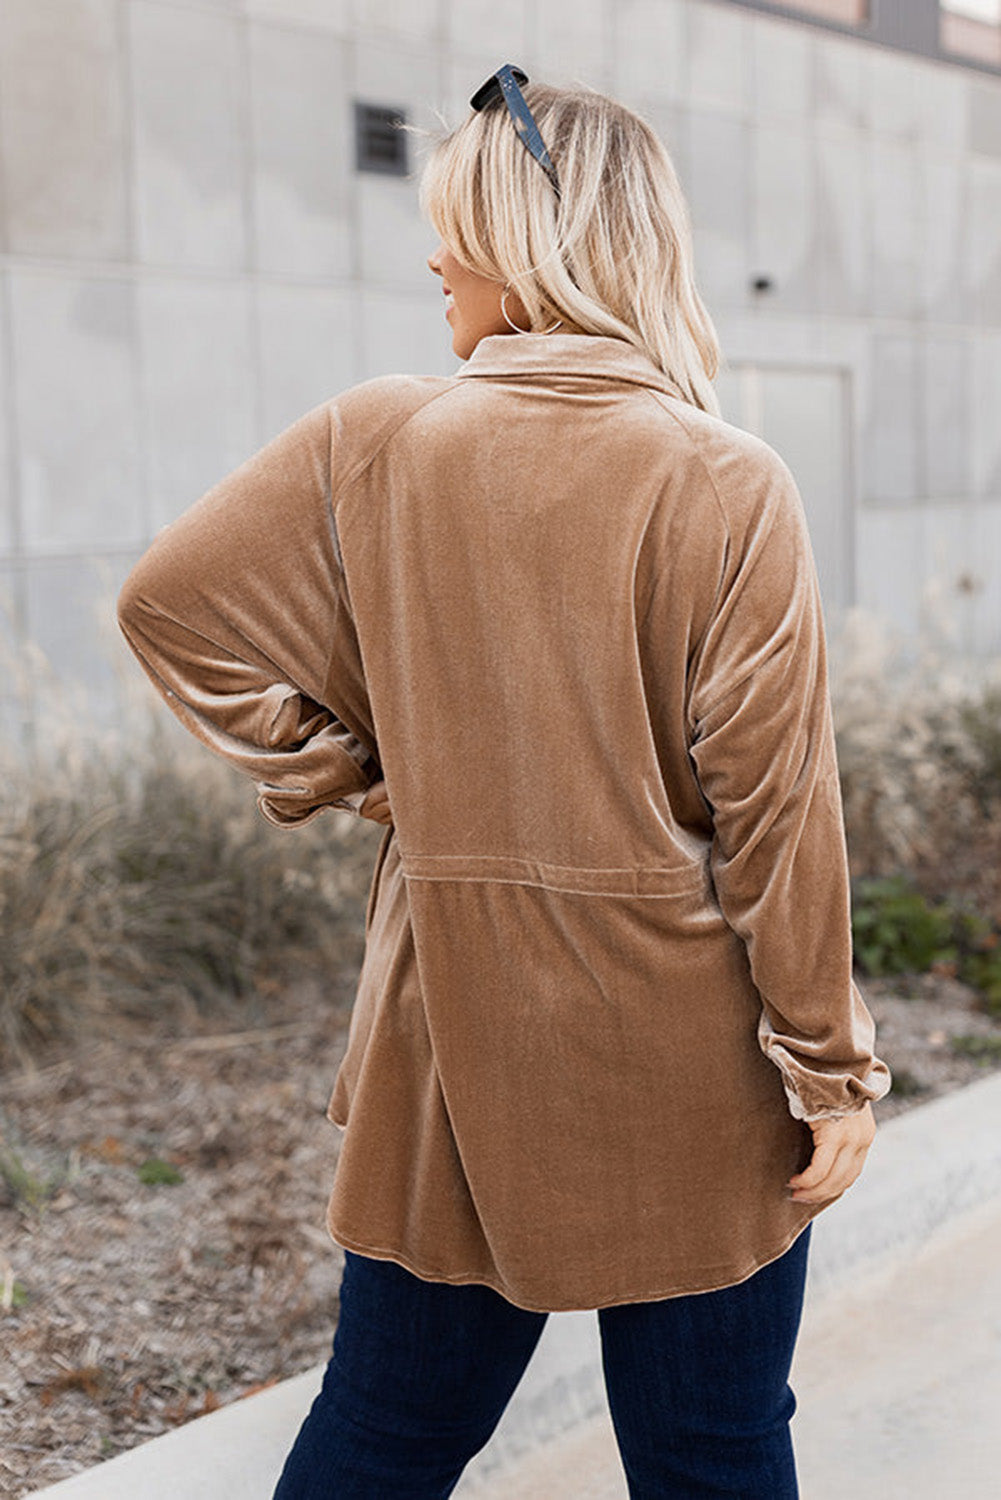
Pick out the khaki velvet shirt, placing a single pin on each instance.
(574, 623)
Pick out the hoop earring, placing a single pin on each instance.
(507, 288)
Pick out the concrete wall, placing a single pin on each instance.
(190, 260)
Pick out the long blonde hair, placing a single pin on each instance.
(613, 256)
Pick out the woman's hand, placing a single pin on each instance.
(375, 804)
(840, 1148)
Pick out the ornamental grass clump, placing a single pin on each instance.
(919, 750)
(136, 871)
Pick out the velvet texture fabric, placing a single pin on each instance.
(574, 623)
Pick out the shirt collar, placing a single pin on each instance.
(586, 354)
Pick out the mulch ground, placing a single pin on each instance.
(162, 1239)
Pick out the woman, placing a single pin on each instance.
(556, 624)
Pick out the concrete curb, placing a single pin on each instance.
(927, 1172)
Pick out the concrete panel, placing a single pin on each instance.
(892, 93)
(785, 229)
(671, 123)
(575, 53)
(984, 96)
(893, 207)
(889, 555)
(649, 49)
(15, 664)
(188, 89)
(944, 98)
(987, 550)
(482, 26)
(952, 576)
(945, 416)
(843, 225)
(943, 292)
(8, 494)
(460, 78)
(781, 69)
(409, 76)
(848, 342)
(308, 340)
(394, 239)
(803, 417)
(765, 341)
(303, 152)
(890, 436)
(11, 624)
(718, 190)
(985, 405)
(334, 15)
(839, 83)
(405, 334)
(71, 619)
(983, 239)
(718, 56)
(198, 365)
(77, 410)
(416, 18)
(62, 125)
(413, 80)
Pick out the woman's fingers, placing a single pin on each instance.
(816, 1181)
(375, 804)
(840, 1148)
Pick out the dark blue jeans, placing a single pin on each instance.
(421, 1372)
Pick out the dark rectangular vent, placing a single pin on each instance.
(380, 144)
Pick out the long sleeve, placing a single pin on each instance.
(239, 614)
(762, 741)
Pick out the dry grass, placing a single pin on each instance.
(136, 871)
(132, 1300)
(189, 970)
(919, 747)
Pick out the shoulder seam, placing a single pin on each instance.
(658, 397)
(368, 458)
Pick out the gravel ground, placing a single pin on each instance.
(129, 1306)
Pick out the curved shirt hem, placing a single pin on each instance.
(348, 1242)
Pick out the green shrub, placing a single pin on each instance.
(896, 930)
(906, 1084)
(25, 1185)
(985, 1049)
(979, 945)
(155, 1172)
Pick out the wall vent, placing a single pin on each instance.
(380, 144)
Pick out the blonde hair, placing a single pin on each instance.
(613, 256)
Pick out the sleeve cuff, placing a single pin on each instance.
(815, 1094)
(876, 1085)
(352, 802)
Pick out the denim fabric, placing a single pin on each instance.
(422, 1371)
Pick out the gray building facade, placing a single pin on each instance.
(191, 258)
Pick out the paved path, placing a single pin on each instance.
(897, 1370)
(898, 1389)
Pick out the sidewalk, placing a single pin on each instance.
(898, 1387)
(897, 1371)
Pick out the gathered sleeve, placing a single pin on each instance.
(762, 743)
(239, 614)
